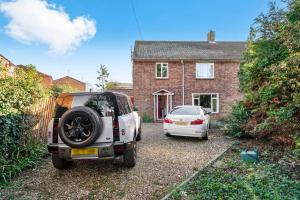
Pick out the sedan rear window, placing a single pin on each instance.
(185, 111)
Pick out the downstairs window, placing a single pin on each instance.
(209, 101)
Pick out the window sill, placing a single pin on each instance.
(162, 78)
(205, 78)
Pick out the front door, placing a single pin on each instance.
(162, 109)
(162, 104)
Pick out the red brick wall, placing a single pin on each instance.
(128, 92)
(225, 83)
(47, 81)
(79, 86)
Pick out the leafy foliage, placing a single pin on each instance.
(234, 179)
(240, 114)
(103, 75)
(111, 85)
(17, 93)
(270, 75)
(57, 90)
(21, 158)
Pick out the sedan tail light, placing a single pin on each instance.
(168, 121)
(197, 122)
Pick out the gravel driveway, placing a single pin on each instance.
(163, 162)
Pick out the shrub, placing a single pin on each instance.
(147, 118)
(237, 120)
(270, 76)
(21, 157)
(17, 93)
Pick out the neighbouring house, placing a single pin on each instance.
(46, 79)
(171, 73)
(7, 64)
(125, 88)
(77, 85)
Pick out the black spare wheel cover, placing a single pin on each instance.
(80, 127)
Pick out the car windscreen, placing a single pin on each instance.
(185, 111)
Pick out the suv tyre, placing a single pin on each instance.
(130, 156)
(80, 126)
(60, 163)
(139, 135)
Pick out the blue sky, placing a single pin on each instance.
(110, 39)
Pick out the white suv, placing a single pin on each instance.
(93, 126)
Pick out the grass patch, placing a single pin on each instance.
(21, 158)
(234, 179)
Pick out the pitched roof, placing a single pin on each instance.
(188, 50)
(40, 73)
(124, 86)
(11, 63)
(67, 77)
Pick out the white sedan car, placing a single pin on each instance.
(192, 121)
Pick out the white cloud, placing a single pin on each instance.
(39, 21)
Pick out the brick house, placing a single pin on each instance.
(7, 64)
(74, 83)
(47, 80)
(125, 88)
(171, 73)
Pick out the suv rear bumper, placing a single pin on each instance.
(105, 150)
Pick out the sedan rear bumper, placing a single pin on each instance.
(189, 131)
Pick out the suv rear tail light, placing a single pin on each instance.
(197, 122)
(116, 133)
(55, 131)
(168, 121)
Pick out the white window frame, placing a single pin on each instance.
(198, 66)
(160, 77)
(211, 100)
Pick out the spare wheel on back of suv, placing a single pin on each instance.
(80, 126)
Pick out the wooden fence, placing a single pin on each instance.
(43, 113)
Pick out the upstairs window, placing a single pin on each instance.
(162, 71)
(205, 70)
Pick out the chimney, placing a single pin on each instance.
(211, 36)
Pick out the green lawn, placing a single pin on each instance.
(230, 178)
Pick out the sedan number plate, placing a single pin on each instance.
(86, 151)
(181, 123)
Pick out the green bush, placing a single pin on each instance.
(21, 157)
(270, 76)
(17, 93)
(235, 179)
(238, 118)
(147, 118)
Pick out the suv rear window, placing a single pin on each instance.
(102, 103)
(186, 111)
(63, 103)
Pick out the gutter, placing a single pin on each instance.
(182, 63)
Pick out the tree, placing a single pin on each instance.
(56, 90)
(103, 75)
(111, 85)
(270, 74)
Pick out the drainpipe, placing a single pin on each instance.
(182, 63)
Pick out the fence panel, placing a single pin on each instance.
(42, 112)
